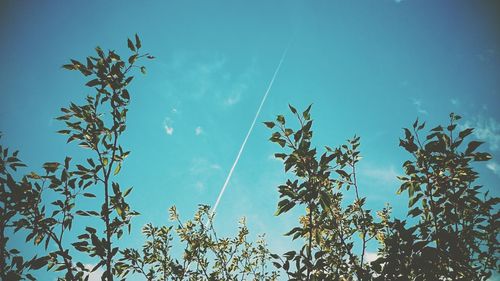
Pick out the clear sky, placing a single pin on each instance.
(369, 67)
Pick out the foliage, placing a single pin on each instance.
(318, 183)
(97, 125)
(456, 236)
(44, 206)
(451, 233)
(14, 199)
(206, 256)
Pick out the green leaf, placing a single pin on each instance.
(270, 125)
(415, 212)
(119, 210)
(143, 70)
(51, 167)
(125, 94)
(130, 45)
(414, 200)
(437, 129)
(306, 114)
(99, 52)
(292, 109)
(284, 206)
(118, 168)
(63, 132)
(93, 83)
(132, 58)
(280, 155)
(82, 213)
(69, 67)
(137, 42)
(482, 156)
(39, 263)
(281, 119)
(465, 132)
(126, 192)
(343, 173)
(472, 146)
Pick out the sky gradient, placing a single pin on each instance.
(369, 68)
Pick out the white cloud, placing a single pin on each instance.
(169, 130)
(200, 185)
(198, 131)
(192, 75)
(494, 167)
(201, 166)
(167, 125)
(232, 100)
(382, 175)
(485, 129)
(202, 171)
(96, 275)
(455, 102)
(237, 90)
(418, 105)
(215, 166)
(370, 256)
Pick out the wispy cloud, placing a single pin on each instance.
(485, 129)
(201, 171)
(198, 131)
(237, 90)
(200, 76)
(215, 166)
(379, 174)
(200, 185)
(418, 105)
(201, 166)
(232, 100)
(494, 167)
(455, 102)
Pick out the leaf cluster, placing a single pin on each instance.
(206, 256)
(327, 229)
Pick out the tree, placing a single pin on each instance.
(206, 255)
(15, 198)
(318, 184)
(97, 125)
(456, 237)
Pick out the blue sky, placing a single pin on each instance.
(368, 67)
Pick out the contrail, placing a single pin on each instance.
(249, 132)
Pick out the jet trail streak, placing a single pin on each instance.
(249, 132)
